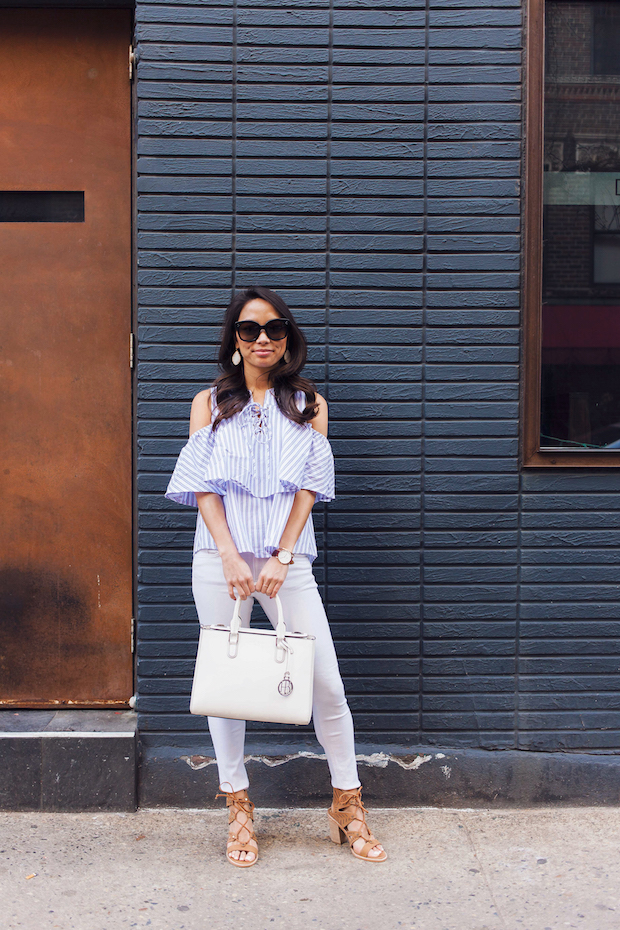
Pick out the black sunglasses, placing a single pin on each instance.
(250, 330)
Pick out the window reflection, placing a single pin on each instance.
(581, 227)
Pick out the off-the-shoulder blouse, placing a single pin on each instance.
(256, 461)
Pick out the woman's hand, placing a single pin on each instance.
(238, 575)
(271, 577)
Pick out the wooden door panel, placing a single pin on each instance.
(65, 314)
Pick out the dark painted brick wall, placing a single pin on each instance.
(363, 158)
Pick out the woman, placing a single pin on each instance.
(257, 459)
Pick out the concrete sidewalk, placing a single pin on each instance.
(541, 869)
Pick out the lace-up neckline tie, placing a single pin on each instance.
(257, 419)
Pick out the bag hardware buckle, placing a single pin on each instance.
(233, 645)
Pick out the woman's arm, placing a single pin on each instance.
(320, 421)
(300, 511)
(201, 411)
(274, 573)
(236, 570)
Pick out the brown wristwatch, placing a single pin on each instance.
(284, 556)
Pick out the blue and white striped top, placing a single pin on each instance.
(256, 461)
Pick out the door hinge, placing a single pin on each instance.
(132, 348)
(132, 62)
(133, 631)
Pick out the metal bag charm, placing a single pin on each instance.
(286, 685)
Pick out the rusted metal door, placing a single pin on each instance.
(65, 319)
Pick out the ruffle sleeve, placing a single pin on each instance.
(297, 457)
(311, 469)
(319, 471)
(194, 469)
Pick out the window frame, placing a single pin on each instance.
(532, 455)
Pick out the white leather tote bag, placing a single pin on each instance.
(251, 674)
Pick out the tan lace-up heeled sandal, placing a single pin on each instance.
(240, 812)
(347, 807)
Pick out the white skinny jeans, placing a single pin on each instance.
(301, 602)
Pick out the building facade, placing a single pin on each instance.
(375, 164)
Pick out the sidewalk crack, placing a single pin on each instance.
(483, 871)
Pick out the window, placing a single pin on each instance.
(605, 38)
(572, 390)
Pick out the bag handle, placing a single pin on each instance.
(235, 625)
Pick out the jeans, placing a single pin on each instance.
(304, 613)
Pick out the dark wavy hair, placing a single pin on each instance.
(232, 393)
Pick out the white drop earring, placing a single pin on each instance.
(287, 356)
(236, 358)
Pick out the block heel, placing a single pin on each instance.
(336, 835)
(347, 808)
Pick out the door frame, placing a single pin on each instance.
(132, 342)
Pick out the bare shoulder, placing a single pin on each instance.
(201, 411)
(320, 421)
